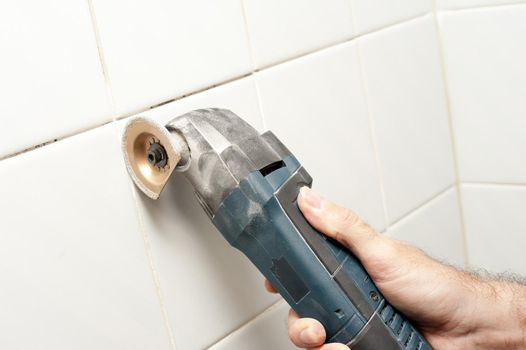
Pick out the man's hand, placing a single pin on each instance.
(454, 310)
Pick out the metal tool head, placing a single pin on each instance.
(151, 154)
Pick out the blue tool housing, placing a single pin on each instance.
(315, 275)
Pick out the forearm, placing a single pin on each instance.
(500, 314)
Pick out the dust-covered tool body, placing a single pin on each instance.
(248, 185)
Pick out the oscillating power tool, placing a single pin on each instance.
(248, 185)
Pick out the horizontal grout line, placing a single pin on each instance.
(482, 7)
(248, 323)
(218, 84)
(83, 130)
(56, 139)
(504, 184)
(180, 97)
(340, 43)
(420, 206)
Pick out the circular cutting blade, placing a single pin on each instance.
(149, 154)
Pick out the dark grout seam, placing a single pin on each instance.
(290, 59)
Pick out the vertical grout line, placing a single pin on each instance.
(253, 59)
(248, 323)
(372, 129)
(447, 93)
(104, 66)
(144, 234)
(153, 269)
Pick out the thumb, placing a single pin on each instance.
(339, 223)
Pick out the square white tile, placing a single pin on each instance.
(485, 53)
(206, 283)
(406, 95)
(267, 331)
(435, 228)
(280, 30)
(495, 226)
(317, 107)
(369, 15)
(158, 50)
(457, 4)
(51, 77)
(75, 274)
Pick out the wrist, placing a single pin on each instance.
(499, 316)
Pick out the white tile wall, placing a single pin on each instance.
(268, 331)
(280, 30)
(88, 262)
(158, 50)
(496, 226)
(404, 82)
(75, 274)
(436, 228)
(458, 4)
(485, 53)
(375, 14)
(204, 281)
(318, 106)
(51, 81)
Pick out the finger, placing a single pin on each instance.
(337, 222)
(305, 332)
(269, 287)
(331, 346)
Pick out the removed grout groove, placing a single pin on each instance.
(452, 135)
(421, 205)
(153, 269)
(482, 7)
(248, 323)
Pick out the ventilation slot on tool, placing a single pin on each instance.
(272, 167)
(400, 327)
(408, 338)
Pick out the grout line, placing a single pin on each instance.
(248, 323)
(253, 59)
(482, 7)
(342, 42)
(144, 233)
(52, 141)
(102, 59)
(421, 205)
(180, 97)
(83, 130)
(141, 110)
(155, 275)
(372, 131)
(247, 32)
(452, 135)
(501, 184)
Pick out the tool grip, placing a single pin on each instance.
(317, 276)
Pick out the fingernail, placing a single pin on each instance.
(310, 335)
(311, 197)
